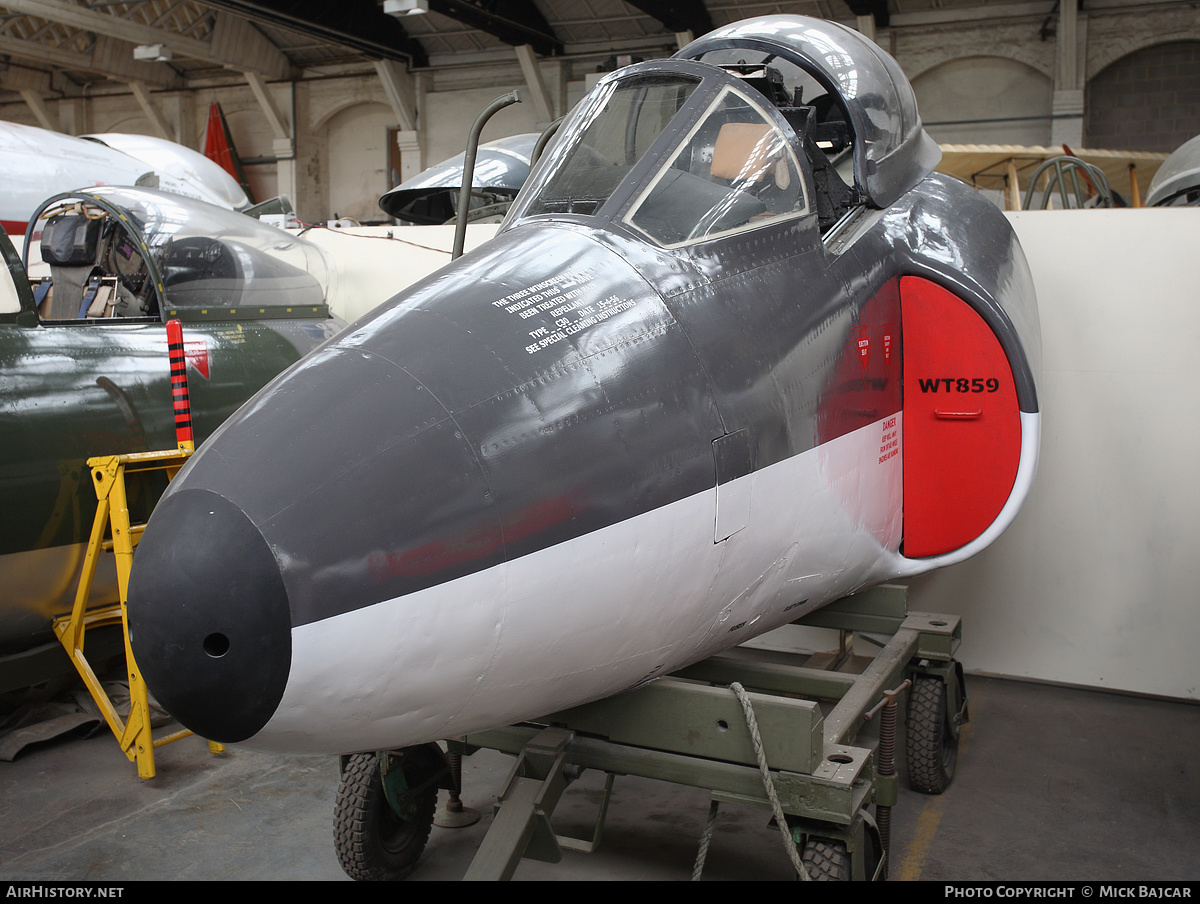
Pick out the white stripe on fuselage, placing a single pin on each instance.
(600, 613)
(596, 614)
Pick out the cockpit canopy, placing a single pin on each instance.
(681, 152)
(750, 125)
(1177, 182)
(135, 252)
(892, 151)
(501, 168)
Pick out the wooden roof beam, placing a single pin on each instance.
(678, 15)
(158, 122)
(876, 9)
(515, 22)
(400, 91)
(232, 43)
(109, 58)
(359, 25)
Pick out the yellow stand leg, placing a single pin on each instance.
(108, 475)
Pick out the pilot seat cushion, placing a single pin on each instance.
(744, 151)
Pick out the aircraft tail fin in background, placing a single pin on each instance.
(219, 147)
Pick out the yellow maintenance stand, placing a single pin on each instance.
(108, 477)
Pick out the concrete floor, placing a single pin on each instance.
(1052, 784)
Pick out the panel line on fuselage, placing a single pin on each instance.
(838, 501)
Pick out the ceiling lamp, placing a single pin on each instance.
(158, 53)
(405, 7)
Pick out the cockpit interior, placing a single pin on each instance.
(96, 269)
(684, 152)
(135, 253)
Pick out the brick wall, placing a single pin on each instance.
(1147, 101)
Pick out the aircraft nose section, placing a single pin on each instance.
(209, 619)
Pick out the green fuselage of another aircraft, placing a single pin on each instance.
(72, 387)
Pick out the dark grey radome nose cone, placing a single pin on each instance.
(208, 616)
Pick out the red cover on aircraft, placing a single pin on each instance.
(962, 425)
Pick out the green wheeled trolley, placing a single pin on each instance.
(810, 737)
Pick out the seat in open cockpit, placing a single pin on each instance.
(95, 271)
(71, 247)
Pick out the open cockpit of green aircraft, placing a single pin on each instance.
(136, 253)
(84, 368)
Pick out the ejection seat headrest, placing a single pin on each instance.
(71, 240)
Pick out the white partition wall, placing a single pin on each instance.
(1097, 583)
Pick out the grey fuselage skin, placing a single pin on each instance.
(427, 443)
(568, 376)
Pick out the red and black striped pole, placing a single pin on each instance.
(179, 386)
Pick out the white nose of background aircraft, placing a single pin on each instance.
(736, 352)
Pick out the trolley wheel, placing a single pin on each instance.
(931, 748)
(373, 841)
(826, 860)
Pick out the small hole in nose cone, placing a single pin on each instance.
(216, 645)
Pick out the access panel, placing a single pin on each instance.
(962, 426)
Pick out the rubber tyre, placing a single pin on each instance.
(373, 842)
(826, 860)
(931, 748)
